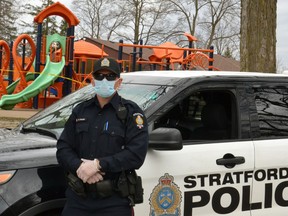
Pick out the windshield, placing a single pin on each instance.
(54, 117)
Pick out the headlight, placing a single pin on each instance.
(5, 176)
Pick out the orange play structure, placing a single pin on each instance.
(167, 52)
(169, 56)
(5, 56)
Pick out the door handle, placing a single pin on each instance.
(229, 160)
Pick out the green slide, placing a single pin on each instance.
(47, 77)
(10, 89)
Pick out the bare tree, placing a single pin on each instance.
(158, 24)
(130, 20)
(221, 18)
(227, 36)
(213, 22)
(146, 20)
(7, 19)
(99, 18)
(90, 12)
(258, 36)
(187, 13)
(50, 24)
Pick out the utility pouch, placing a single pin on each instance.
(130, 185)
(104, 188)
(122, 186)
(139, 191)
(76, 185)
(135, 186)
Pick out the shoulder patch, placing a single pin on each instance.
(139, 120)
(165, 198)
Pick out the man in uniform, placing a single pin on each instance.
(103, 138)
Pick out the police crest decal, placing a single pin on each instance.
(166, 198)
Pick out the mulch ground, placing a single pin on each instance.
(8, 122)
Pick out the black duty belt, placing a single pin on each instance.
(127, 185)
(102, 189)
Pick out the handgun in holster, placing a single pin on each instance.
(76, 185)
(129, 185)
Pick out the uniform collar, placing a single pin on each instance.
(115, 101)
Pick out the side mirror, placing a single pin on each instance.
(165, 139)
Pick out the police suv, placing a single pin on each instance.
(218, 146)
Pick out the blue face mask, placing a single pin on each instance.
(104, 88)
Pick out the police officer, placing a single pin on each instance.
(102, 138)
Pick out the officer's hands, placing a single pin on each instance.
(87, 169)
(95, 178)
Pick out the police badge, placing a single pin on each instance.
(165, 198)
(105, 62)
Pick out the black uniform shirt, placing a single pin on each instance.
(95, 132)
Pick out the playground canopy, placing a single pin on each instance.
(59, 10)
(83, 49)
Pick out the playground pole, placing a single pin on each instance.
(211, 55)
(38, 60)
(190, 46)
(71, 58)
(120, 54)
(23, 53)
(10, 74)
(134, 57)
(140, 54)
(65, 89)
(67, 86)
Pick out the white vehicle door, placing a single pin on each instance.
(270, 184)
(212, 174)
(189, 181)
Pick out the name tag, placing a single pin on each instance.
(80, 119)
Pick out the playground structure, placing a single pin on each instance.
(19, 88)
(168, 56)
(58, 65)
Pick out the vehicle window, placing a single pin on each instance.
(272, 109)
(55, 116)
(143, 95)
(204, 115)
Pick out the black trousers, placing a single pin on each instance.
(91, 206)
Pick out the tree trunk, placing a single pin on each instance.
(258, 36)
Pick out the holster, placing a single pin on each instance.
(76, 185)
(129, 185)
(101, 189)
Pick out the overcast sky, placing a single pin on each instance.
(282, 31)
